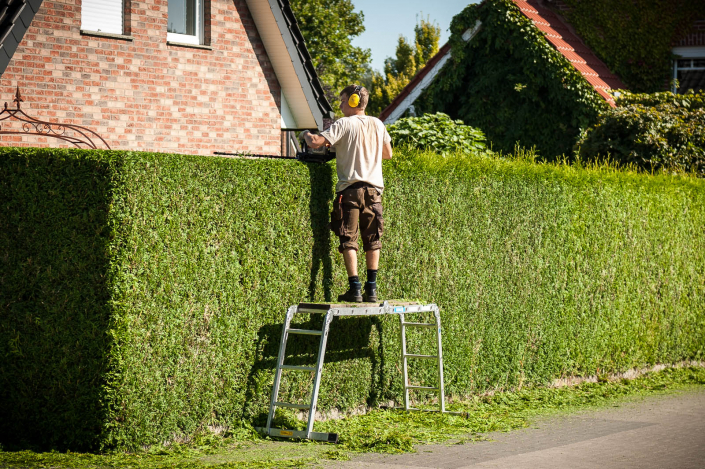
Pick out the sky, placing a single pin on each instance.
(385, 20)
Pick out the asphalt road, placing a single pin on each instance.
(656, 432)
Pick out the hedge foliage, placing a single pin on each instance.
(660, 131)
(437, 132)
(142, 295)
(510, 82)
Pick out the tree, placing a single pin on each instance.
(328, 26)
(399, 70)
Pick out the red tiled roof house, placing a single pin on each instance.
(556, 31)
(180, 76)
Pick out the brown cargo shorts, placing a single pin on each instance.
(355, 204)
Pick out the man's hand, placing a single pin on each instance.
(312, 140)
(387, 152)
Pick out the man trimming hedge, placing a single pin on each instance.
(361, 142)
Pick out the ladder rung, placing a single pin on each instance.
(300, 368)
(421, 387)
(419, 324)
(303, 332)
(292, 406)
(414, 355)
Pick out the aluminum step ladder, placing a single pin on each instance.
(356, 309)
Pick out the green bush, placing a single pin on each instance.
(663, 131)
(437, 132)
(511, 83)
(689, 100)
(142, 295)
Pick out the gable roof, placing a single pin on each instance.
(422, 80)
(15, 17)
(416, 86)
(559, 34)
(302, 90)
(291, 61)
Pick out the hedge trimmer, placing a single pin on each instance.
(306, 155)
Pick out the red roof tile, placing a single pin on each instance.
(567, 43)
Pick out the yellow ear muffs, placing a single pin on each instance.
(354, 99)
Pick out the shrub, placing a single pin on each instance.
(689, 100)
(142, 295)
(437, 132)
(663, 131)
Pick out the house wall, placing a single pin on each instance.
(144, 94)
(696, 37)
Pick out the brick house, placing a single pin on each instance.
(178, 76)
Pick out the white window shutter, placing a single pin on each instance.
(102, 15)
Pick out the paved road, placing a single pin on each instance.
(658, 432)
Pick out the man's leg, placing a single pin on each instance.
(372, 259)
(354, 293)
(371, 227)
(350, 258)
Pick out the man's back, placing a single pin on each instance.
(359, 141)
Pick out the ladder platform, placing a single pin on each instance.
(396, 307)
(365, 309)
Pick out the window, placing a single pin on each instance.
(689, 69)
(105, 16)
(185, 21)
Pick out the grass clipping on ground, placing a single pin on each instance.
(386, 431)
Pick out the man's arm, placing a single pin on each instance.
(386, 151)
(314, 141)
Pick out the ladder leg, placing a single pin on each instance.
(405, 370)
(441, 392)
(280, 362)
(319, 370)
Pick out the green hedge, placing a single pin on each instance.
(142, 295)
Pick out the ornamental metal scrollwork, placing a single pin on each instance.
(82, 137)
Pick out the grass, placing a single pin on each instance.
(387, 431)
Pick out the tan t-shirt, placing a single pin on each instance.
(358, 142)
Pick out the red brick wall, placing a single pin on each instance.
(145, 94)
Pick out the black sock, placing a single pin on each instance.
(354, 282)
(371, 276)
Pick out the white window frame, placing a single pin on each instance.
(88, 25)
(686, 53)
(198, 39)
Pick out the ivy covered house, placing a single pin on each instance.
(520, 71)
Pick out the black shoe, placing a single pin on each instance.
(371, 292)
(353, 295)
